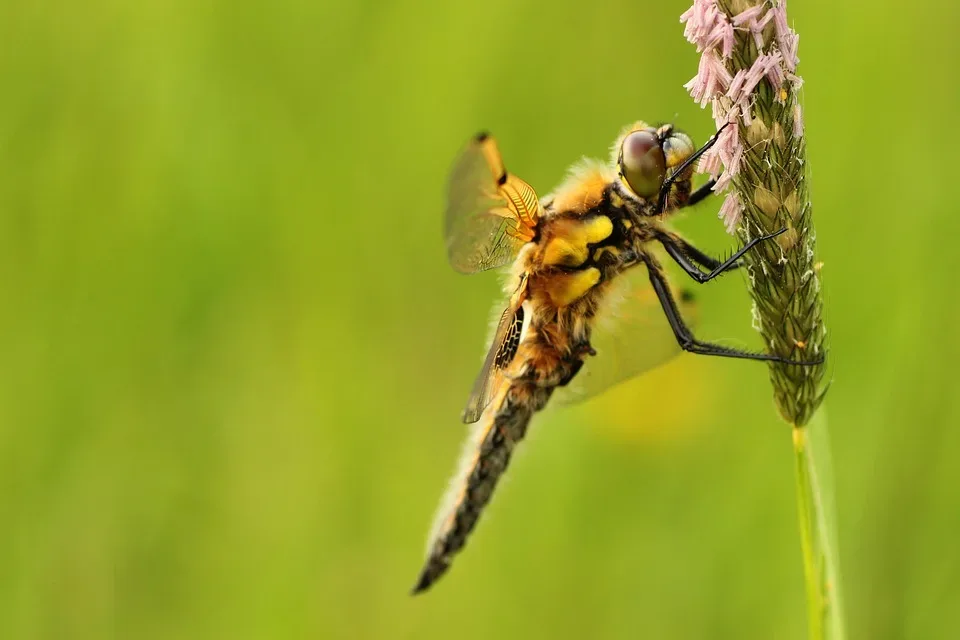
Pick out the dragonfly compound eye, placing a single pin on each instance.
(642, 163)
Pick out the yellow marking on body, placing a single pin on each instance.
(565, 289)
(598, 229)
(627, 224)
(676, 158)
(678, 154)
(615, 199)
(570, 247)
(563, 252)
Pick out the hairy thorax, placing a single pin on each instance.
(565, 272)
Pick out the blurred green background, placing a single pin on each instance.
(234, 356)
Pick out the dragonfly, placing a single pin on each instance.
(570, 255)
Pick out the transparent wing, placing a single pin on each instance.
(631, 335)
(490, 213)
(503, 347)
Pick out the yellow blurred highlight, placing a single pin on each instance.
(668, 404)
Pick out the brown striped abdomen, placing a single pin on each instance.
(503, 425)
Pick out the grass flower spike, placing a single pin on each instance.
(759, 161)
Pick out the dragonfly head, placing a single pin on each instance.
(646, 155)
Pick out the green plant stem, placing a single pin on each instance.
(817, 537)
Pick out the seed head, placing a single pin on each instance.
(761, 158)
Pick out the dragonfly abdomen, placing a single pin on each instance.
(485, 459)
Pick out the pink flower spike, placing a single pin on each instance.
(736, 85)
(692, 18)
(762, 23)
(745, 82)
(749, 20)
(689, 15)
(788, 47)
(711, 80)
(729, 140)
(733, 165)
(729, 150)
(696, 89)
(700, 20)
(721, 34)
(722, 116)
(787, 39)
(707, 27)
(794, 50)
(758, 70)
(727, 40)
(749, 15)
(710, 163)
(723, 181)
(775, 72)
(730, 212)
(719, 118)
(780, 19)
(797, 121)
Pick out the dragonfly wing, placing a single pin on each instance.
(490, 213)
(503, 347)
(631, 335)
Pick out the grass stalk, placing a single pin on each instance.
(748, 74)
(815, 508)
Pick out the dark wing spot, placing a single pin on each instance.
(483, 135)
(508, 348)
(686, 295)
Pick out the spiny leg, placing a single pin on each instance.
(686, 255)
(673, 177)
(703, 191)
(700, 257)
(686, 338)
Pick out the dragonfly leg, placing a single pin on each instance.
(576, 362)
(703, 191)
(569, 375)
(686, 338)
(686, 255)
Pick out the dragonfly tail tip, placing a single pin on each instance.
(422, 584)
